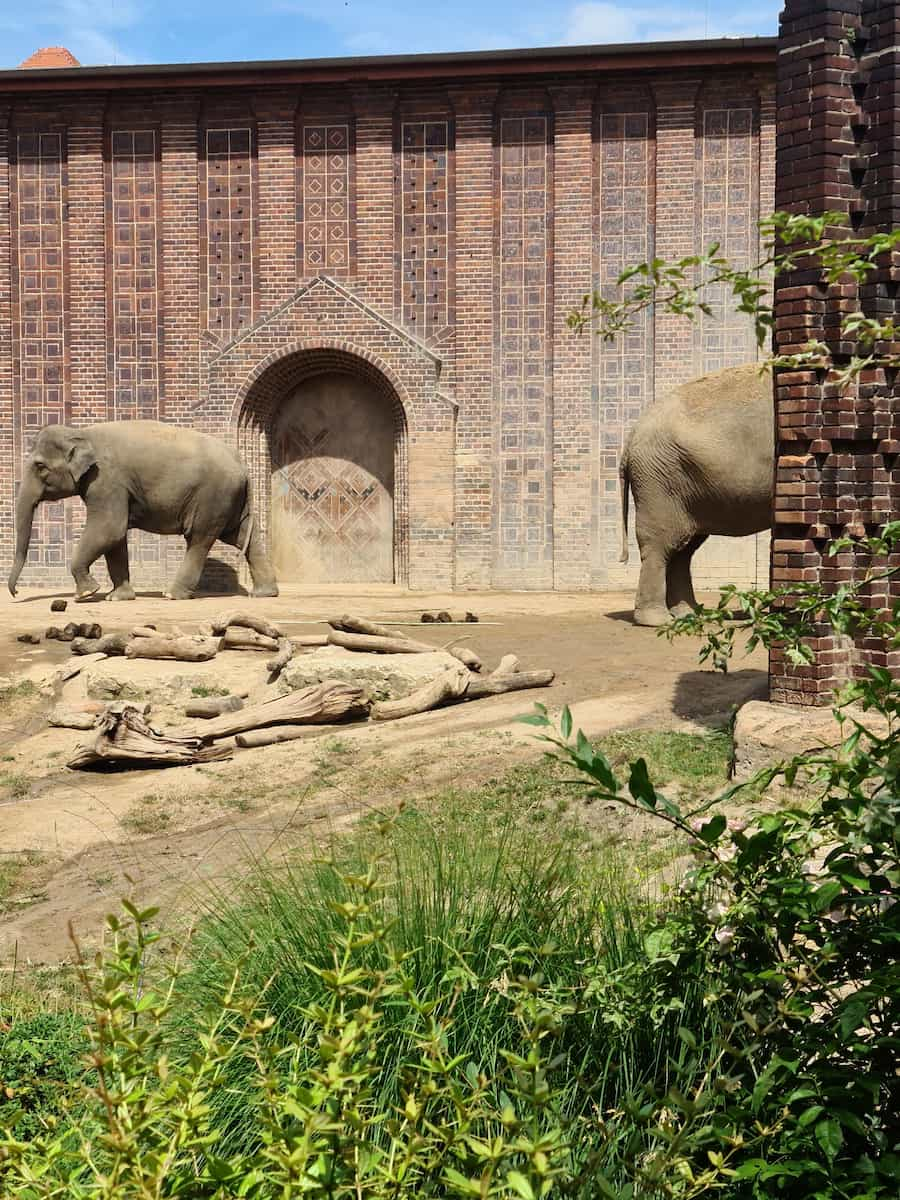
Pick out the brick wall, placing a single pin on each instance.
(214, 244)
(838, 79)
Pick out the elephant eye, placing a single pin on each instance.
(40, 466)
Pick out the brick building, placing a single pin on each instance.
(360, 271)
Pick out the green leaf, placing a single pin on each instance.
(829, 1137)
(520, 1185)
(565, 723)
(810, 1115)
(640, 786)
(713, 829)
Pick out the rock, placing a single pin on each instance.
(427, 618)
(58, 605)
(168, 684)
(471, 617)
(444, 618)
(766, 733)
(385, 676)
(30, 639)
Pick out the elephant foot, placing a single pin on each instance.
(88, 592)
(123, 592)
(267, 589)
(683, 609)
(654, 616)
(179, 593)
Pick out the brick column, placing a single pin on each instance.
(572, 278)
(89, 267)
(474, 366)
(375, 195)
(276, 115)
(836, 451)
(7, 437)
(181, 264)
(676, 235)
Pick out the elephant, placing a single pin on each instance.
(698, 462)
(141, 475)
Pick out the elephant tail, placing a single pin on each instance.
(624, 488)
(248, 536)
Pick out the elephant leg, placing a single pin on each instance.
(680, 590)
(191, 569)
(119, 573)
(261, 571)
(98, 537)
(650, 603)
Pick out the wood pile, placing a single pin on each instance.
(122, 728)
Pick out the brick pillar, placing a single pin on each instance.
(474, 365)
(8, 467)
(836, 451)
(375, 195)
(676, 235)
(276, 114)
(572, 279)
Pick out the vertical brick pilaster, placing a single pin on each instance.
(375, 195)
(183, 273)
(836, 449)
(474, 342)
(276, 117)
(88, 267)
(573, 460)
(675, 220)
(7, 433)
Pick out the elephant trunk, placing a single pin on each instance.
(29, 498)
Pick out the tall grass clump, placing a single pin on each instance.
(473, 900)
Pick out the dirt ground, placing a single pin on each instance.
(80, 840)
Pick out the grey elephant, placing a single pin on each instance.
(698, 462)
(142, 475)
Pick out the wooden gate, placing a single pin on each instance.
(333, 483)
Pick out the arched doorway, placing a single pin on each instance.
(332, 484)
(323, 431)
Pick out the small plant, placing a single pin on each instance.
(202, 692)
(15, 785)
(146, 817)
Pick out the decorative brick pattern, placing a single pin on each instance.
(133, 204)
(42, 349)
(838, 81)
(229, 209)
(424, 208)
(326, 216)
(727, 216)
(625, 181)
(524, 480)
(507, 424)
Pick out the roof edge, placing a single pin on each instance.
(618, 56)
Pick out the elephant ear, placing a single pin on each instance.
(81, 456)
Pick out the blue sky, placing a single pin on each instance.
(135, 31)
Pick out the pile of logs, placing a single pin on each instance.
(122, 731)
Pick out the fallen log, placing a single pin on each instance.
(495, 685)
(238, 638)
(110, 643)
(360, 625)
(246, 621)
(183, 649)
(213, 707)
(123, 734)
(321, 704)
(285, 653)
(379, 645)
(508, 665)
(449, 686)
(81, 717)
(144, 631)
(304, 640)
(275, 734)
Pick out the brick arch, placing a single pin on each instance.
(280, 373)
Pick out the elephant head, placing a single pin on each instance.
(54, 469)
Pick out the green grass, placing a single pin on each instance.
(17, 694)
(204, 693)
(698, 763)
(14, 785)
(146, 816)
(12, 868)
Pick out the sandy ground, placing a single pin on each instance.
(87, 838)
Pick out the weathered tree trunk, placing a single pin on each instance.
(144, 631)
(246, 621)
(275, 734)
(123, 734)
(110, 643)
(322, 704)
(466, 656)
(238, 638)
(508, 665)
(285, 653)
(360, 625)
(495, 685)
(305, 640)
(451, 685)
(378, 644)
(184, 649)
(213, 707)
